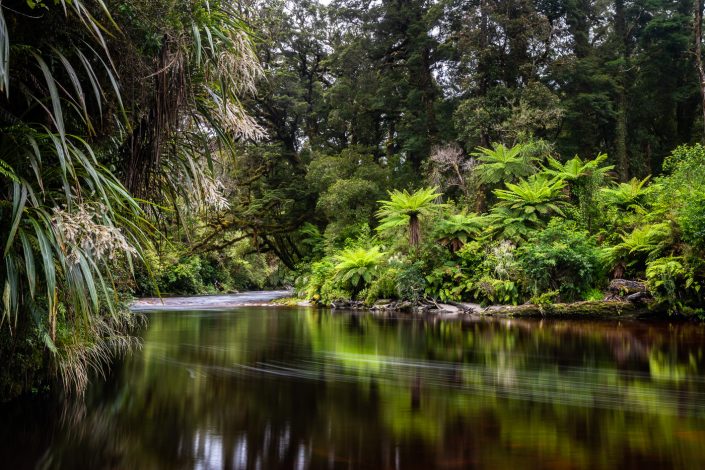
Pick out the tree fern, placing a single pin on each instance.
(357, 267)
(457, 229)
(408, 209)
(503, 164)
(632, 195)
(527, 204)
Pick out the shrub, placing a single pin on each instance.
(183, 277)
(673, 282)
(448, 283)
(384, 287)
(630, 196)
(563, 258)
(348, 202)
(629, 255)
(456, 230)
(410, 282)
(489, 290)
(310, 284)
(525, 206)
(491, 274)
(692, 220)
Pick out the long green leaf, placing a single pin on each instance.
(18, 202)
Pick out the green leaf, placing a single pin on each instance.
(18, 202)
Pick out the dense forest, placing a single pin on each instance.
(497, 152)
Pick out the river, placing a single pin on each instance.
(239, 385)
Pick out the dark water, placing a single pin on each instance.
(255, 387)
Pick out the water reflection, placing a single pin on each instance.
(263, 388)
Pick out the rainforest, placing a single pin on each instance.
(404, 159)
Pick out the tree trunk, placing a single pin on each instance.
(698, 29)
(620, 25)
(414, 231)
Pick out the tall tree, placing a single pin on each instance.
(622, 46)
(698, 36)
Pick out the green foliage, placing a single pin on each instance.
(526, 205)
(100, 132)
(648, 239)
(357, 267)
(456, 230)
(68, 223)
(631, 196)
(183, 277)
(349, 185)
(351, 86)
(576, 168)
(633, 249)
(485, 274)
(347, 203)
(410, 282)
(692, 220)
(384, 286)
(533, 196)
(538, 241)
(563, 258)
(318, 283)
(501, 164)
(584, 180)
(448, 283)
(675, 283)
(686, 163)
(481, 118)
(545, 299)
(405, 209)
(499, 277)
(490, 290)
(175, 269)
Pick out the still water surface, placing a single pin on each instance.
(262, 387)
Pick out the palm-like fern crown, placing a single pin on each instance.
(457, 229)
(461, 224)
(527, 203)
(533, 191)
(646, 239)
(632, 194)
(402, 206)
(576, 168)
(501, 163)
(358, 264)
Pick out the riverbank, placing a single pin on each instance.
(622, 299)
(605, 309)
(601, 309)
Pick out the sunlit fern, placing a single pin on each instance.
(642, 243)
(357, 267)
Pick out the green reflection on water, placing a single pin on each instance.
(268, 387)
